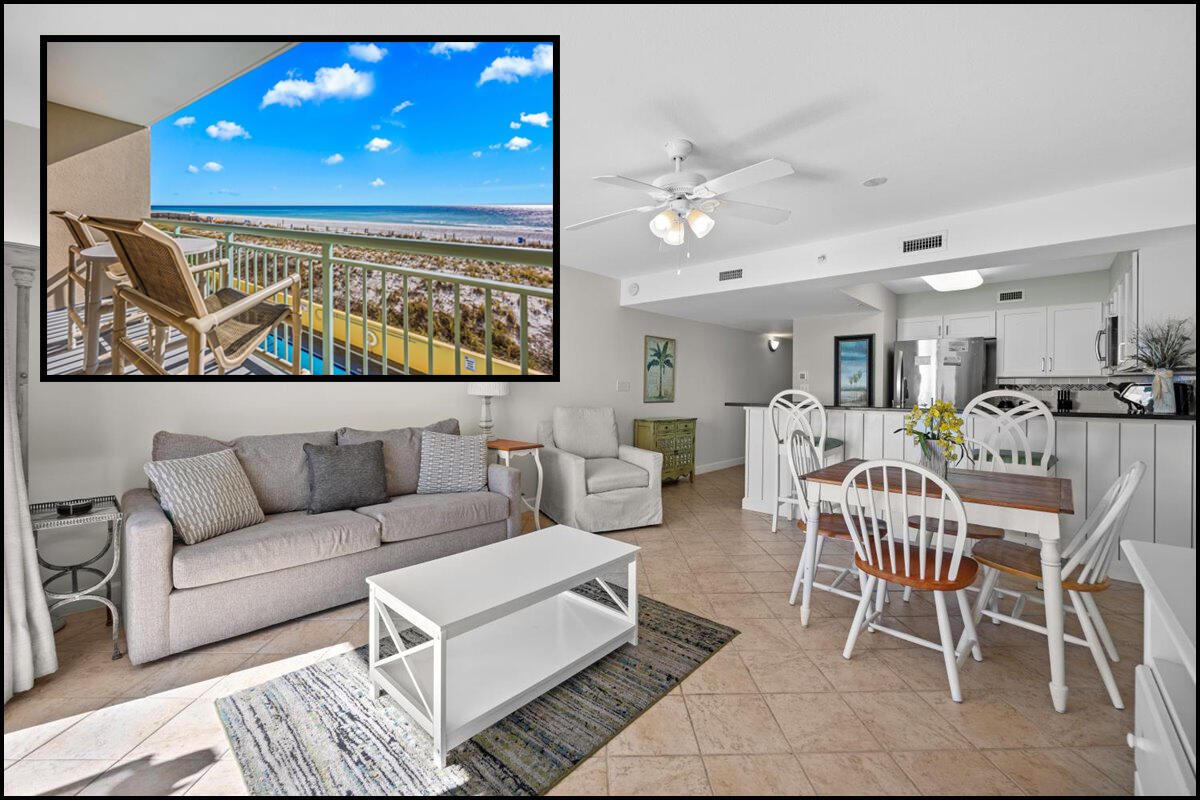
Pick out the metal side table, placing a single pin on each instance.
(45, 517)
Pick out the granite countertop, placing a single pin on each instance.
(1060, 414)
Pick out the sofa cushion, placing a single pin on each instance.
(401, 451)
(205, 496)
(281, 541)
(607, 474)
(345, 476)
(168, 446)
(278, 469)
(412, 516)
(586, 432)
(452, 463)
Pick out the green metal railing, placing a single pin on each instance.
(254, 265)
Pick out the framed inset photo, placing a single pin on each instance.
(854, 370)
(658, 370)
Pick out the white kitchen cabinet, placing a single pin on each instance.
(1123, 304)
(1021, 342)
(975, 323)
(918, 328)
(1071, 339)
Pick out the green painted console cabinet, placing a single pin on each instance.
(675, 438)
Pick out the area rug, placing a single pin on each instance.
(316, 731)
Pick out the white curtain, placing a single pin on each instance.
(28, 635)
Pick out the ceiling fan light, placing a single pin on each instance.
(954, 281)
(700, 223)
(662, 222)
(674, 236)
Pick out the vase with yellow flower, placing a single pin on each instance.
(937, 431)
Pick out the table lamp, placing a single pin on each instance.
(487, 390)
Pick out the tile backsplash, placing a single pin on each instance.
(1088, 394)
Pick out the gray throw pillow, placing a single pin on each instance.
(345, 476)
(452, 463)
(205, 496)
(401, 451)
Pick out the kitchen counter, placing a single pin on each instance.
(1071, 414)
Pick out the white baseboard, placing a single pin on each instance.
(716, 465)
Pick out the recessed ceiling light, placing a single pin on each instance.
(954, 281)
(871, 183)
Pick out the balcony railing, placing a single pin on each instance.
(371, 313)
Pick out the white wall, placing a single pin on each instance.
(812, 341)
(1167, 286)
(1081, 287)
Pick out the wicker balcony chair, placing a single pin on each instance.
(228, 323)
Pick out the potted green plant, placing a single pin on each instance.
(937, 430)
(1162, 348)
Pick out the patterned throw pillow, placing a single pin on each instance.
(452, 463)
(206, 495)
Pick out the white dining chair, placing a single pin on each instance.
(1085, 564)
(925, 557)
(1025, 431)
(788, 405)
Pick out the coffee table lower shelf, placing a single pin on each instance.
(492, 670)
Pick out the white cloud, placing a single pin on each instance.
(367, 52)
(183, 122)
(213, 166)
(446, 48)
(514, 125)
(376, 183)
(376, 127)
(343, 82)
(510, 69)
(402, 106)
(541, 119)
(477, 154)
(192, 168)
(227, 130)
(377, 144)
(336, 158)
(517, 143)
(495, 146)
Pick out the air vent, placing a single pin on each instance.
(919, 244)
(729, 275)
(1011, 296)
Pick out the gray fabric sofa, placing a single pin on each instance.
(591, 481)
(294, 563)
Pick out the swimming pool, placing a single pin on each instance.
(281, 348)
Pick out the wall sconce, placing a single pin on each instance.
(772, 343)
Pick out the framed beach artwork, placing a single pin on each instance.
(854, 370)
(338, 208)
(658, 370)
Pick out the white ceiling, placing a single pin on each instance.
(1015, 272)
(763, 309)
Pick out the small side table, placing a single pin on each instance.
(45, 517)
(507, 448)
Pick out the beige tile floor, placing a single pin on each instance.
(778, 711)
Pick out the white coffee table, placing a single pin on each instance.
(503, 625)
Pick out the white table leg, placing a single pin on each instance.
(439, 698)
(91, 319)
(537, 513)
(1053, 594)
(372, 641)
(809, 560)
(631, 601)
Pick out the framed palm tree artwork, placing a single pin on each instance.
(658, 375)
(854, 370)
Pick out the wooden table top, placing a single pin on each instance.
(509, 445)
(1029, 492)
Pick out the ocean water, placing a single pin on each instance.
(523, 216)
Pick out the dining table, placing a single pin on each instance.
(98, 258)
(1015, 502)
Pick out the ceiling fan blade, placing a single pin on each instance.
(615, 215)
(741, 178)
(630, 183)
(767, 214)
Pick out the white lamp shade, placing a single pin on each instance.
(700, 223)
(661, 223)
(487, 388)
(674, 236)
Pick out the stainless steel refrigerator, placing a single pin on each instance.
(954, 370)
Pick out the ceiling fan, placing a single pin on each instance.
(688, 197)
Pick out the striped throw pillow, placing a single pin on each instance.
(452, 463)
(205, 496)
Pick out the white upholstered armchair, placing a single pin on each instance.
(593, 482)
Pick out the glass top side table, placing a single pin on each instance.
(45, 518)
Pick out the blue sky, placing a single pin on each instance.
(368, 123)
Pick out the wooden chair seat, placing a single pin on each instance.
(973, 531)
(967, 569)
(1023, 562)
(833, 526)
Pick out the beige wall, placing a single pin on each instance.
(812, 341)
(94, 165)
